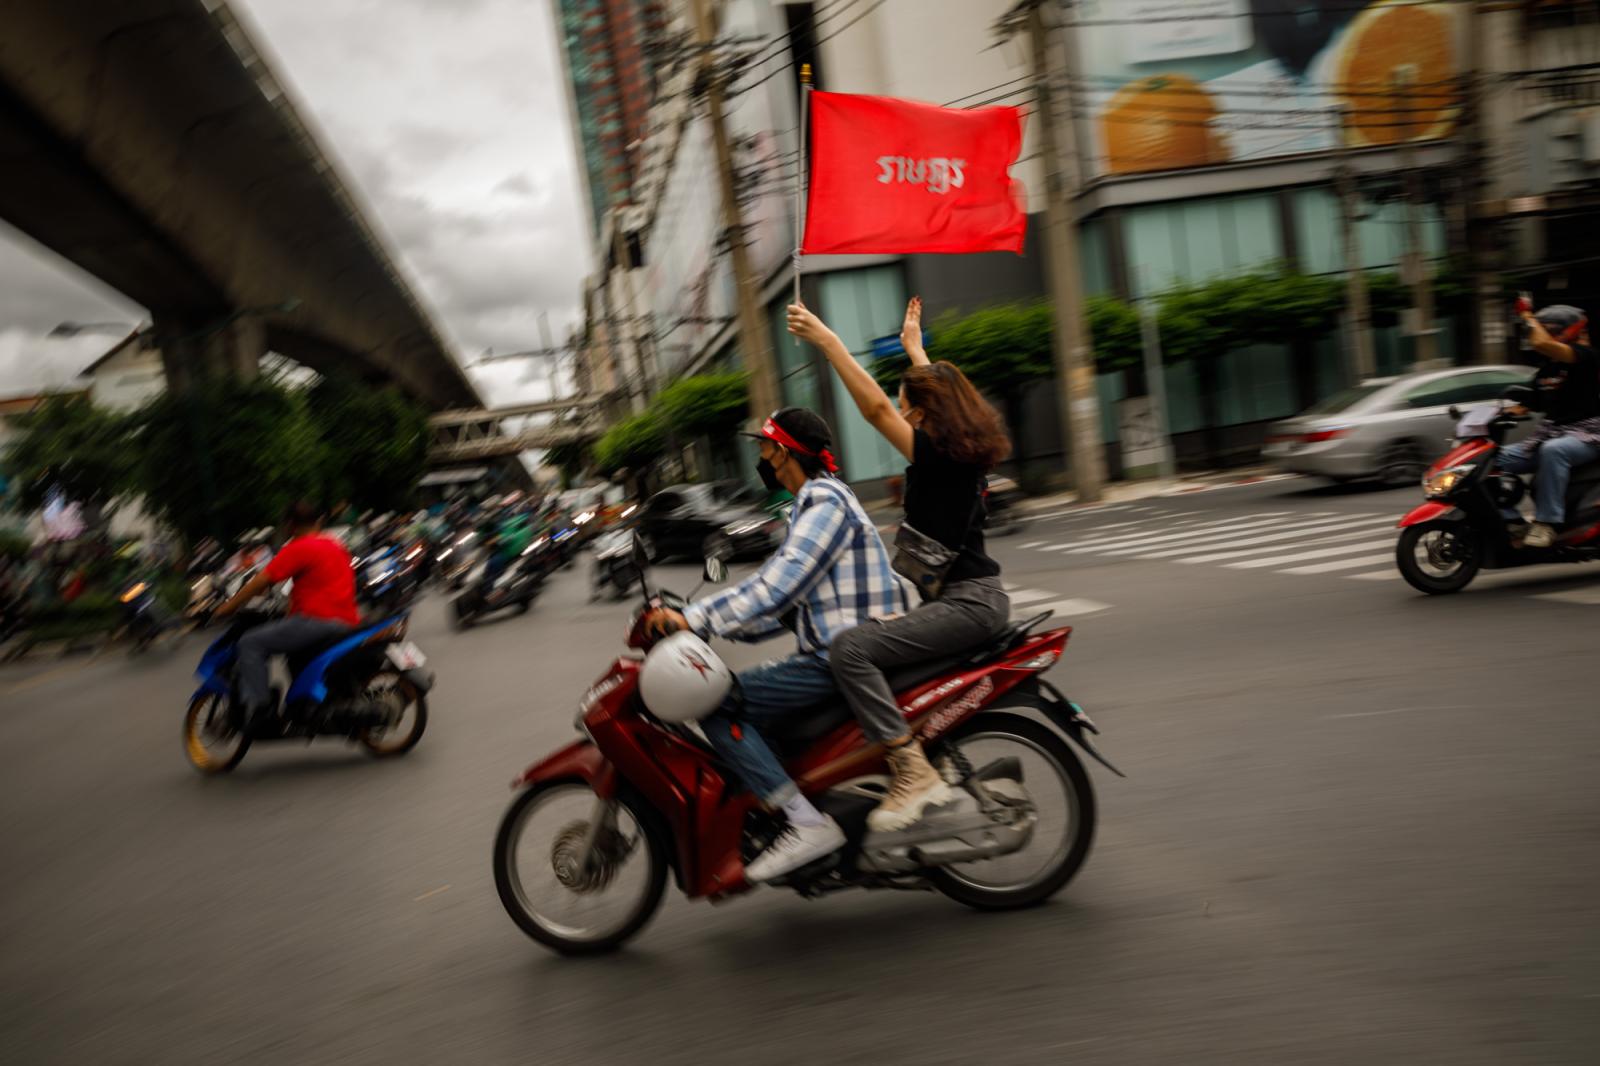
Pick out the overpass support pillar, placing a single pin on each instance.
(229, 350)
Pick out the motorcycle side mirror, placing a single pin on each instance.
(640, 557)
(1454, 412)
(716, 570)
(1521, 394)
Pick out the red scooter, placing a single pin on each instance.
(1446, 541)
(583, 853)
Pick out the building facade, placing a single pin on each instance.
(1208, 138)
(606, 55)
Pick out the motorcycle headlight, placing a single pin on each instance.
(133, 593)
(1439, 485)
(739, 529)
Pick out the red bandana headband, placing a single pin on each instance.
(777, 435)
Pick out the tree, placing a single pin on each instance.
(374, 443)
(70, 443)
(228, 456)
(571, 458)
(704, 405)
(631, 443)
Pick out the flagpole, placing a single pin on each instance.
(800, 178)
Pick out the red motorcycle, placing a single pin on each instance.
(582, 855)
(1445, 542)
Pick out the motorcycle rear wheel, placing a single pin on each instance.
(985, 885)
(636, 841)
(208, 717)
(404, 736)
(1452, 552)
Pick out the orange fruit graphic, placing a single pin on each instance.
(1395, 72)
(1161, 122)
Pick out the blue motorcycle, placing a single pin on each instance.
(368, 686)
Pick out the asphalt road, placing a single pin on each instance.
(1360, 826)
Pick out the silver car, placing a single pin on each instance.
(1388, 428)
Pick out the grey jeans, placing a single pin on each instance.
(283, 637)
(964, 616)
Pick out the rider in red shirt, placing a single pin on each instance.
(322, 603)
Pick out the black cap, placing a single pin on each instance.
(804, 425)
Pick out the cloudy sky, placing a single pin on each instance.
(449, 117)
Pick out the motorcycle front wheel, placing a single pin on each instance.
(569, 902)
(210, 740)
(1438, 557)
(1064, 806)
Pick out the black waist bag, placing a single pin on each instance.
(922, 560)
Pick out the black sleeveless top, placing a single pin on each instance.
(944, 501)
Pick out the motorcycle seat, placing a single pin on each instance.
(802, 729)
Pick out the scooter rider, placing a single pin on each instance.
(1568, 385)
(322, 603)
(831, 574)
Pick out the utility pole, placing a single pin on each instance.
(1078, 400)
(619, 245)
(1358, 349)
(1156, 385)
(754, 342)
(1415, 270)
(1478, 232)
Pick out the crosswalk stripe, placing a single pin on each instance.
(1275, 544)
(1156, 526)
(1121, 546)
(1588, 596)
(1320, 553)
(1029, 595)
(1337, 564)
(1069, 608)
(1009, 585)
(1390, 574)
(1298, 531)
(1033, 544)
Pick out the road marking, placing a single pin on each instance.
(1390, 574)
(1403, 710)
(431, 892)
(43, 679)
(1029, 595)
(1321, 553)
(1337, 564)
(1033, 544)
(1332, 538)
(1324, 528)
(1589, 596)
(1069, 608)
(1123, 546)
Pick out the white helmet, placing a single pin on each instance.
(683, 679)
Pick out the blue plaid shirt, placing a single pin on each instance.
(832, 572)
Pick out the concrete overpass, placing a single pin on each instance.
(149, 142)
(459, 436)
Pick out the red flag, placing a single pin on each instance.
(893, 175)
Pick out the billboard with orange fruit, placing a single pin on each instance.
(1172, 84)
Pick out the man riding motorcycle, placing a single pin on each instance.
(322, 604)
(830, 575)
(1568, 385)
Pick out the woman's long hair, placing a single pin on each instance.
(959, 421)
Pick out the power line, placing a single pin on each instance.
(1321, 10)
(821, 14)
(820, 41)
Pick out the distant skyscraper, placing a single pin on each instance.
(610, 83)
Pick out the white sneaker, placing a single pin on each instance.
(1539, 535)
(794, 848)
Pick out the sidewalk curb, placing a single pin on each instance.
(1132, 491)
